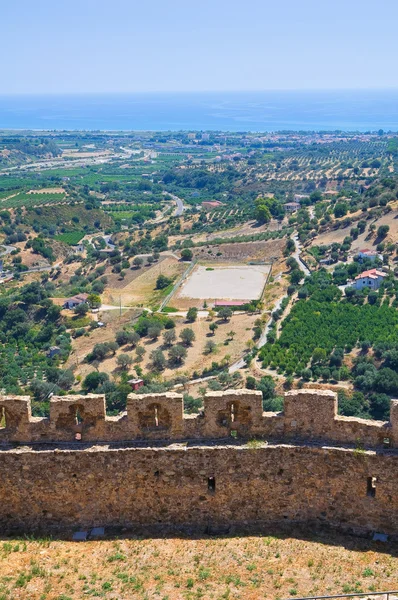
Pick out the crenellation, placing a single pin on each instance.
(309, 415)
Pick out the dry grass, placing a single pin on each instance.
(241, 324)
(208, 568)
(141, 289)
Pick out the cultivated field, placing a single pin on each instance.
(238, 282)
(273, 566)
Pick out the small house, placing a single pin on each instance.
(75, 301)
(135, 384)
(370, 254)
(53, 351)
(371, 279)
(291, 206)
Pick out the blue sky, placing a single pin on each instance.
(73, 46)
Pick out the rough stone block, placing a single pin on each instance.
(16, 411)
(76, 413)
(232, 410)
(155, 415)
(310, 412)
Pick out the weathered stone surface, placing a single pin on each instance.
(159, 486)
(197, 475)
(308, 415)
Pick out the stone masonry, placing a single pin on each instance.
(153, 466)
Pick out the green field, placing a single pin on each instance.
(28, 200)
(71, 238)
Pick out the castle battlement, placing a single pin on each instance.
(308, 415)
(318, 467)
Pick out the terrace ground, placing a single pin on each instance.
(272, 566)
(237, 282)
(226, 346)
(139, 288)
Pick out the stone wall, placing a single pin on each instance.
(154, 467)
(308, 415)
(198, 486)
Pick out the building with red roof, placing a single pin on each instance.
(371, 279)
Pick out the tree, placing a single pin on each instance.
(382, 231)
(124, 361)
(140, 351)
(186, 254)
(231, 334)
(124, 337)
(192, 405)
(251, 383)
(225, 313)
(295, 277)
(154, 331)
(192, 314)
(210, 346)
(177, 354)
(262, 214)
(340, 210)
(82, 309)
(158, 360)
(318, 355)
(169, 337)
(112, 346)
(162, 282)
(187, 336)
(213, 327)
(94, 380)
(138, 262)
(94, 300)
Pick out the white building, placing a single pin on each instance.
(370, 254)
(371, 279)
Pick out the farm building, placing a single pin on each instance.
(135, 384)
(211, 205)
(371, 279)
(53, 351)
(370, 254)
(229, 303)
(75, 301)
(291, 206)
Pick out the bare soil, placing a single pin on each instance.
(242, 251)
(241, 324)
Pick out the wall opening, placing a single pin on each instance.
(78, 417)
(156, 417)
(211, 484)
(386, 442)
(232, 412)
(3, 423)
(371, 487)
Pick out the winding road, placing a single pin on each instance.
(240, 364)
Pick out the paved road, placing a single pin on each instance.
(7, 250)
(180, 205)
(297, 255)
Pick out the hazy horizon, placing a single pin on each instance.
(325, 110)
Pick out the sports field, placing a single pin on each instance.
(240, 282)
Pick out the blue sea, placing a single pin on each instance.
(249, 111)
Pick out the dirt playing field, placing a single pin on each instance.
(271, 566)
(238, 282)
